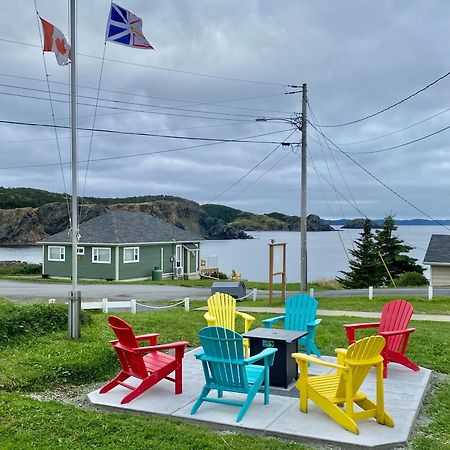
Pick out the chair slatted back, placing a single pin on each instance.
(395, 316)
(223, 308)
(364, 349)
(225, 347)
(300, 310)
(132, 363)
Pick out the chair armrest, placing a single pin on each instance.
(152, 338)
(361, 325)
(210, 319)
(350, 329)
(396, 332)
(266, 352)
(267, 323)
(320, 362)
(248, 320)
(161, 347)
(314, 324)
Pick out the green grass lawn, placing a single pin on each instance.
(41, 363)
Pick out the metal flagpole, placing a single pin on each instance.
(75, 295)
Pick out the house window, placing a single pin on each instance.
(80, 250)
(101, 255)
(131, 254)
(56, 253)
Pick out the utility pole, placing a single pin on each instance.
(303, 225)
(75, 295)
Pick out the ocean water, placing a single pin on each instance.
(327, 251)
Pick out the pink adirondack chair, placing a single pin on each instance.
(148, 364)
(395, 317)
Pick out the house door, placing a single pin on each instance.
(178, 270)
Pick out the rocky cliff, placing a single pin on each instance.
(26, 226)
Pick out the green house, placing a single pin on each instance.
(124, 245)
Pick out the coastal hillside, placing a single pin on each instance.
(26, 226)
(29, 215)
(274, 221)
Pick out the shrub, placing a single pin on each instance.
(222, 276)
(38, 319)
(411, 279)
(19, 268)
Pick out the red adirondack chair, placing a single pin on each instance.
(148, 364)
(395, 317)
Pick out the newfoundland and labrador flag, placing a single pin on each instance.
(125, 28)
(54, 41)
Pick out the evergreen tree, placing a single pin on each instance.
(394, 251)
(365, 267)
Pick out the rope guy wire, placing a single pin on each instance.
(52, 110)
(92, 132)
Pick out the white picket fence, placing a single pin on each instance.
(105, 305)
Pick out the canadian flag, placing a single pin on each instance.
(54, 41)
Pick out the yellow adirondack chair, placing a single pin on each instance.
(336, 394)
(222, 313)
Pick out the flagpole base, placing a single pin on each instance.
(74, 315)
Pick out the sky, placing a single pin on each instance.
(217, 67)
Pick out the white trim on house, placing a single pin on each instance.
(428, 263)
(95, 255)
(80, 251)
(62, 253)
(161, 258)
(117, 273)
(134, 257)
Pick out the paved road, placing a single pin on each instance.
(153, 292)
(27, 291)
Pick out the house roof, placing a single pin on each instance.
(438, 250)
(120, 227)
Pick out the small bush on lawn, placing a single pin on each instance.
(19, 268)
(411, 279)
(38, 319)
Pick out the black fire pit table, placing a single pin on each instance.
(284, 368)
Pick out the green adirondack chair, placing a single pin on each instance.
(300, 315)
(226, 369)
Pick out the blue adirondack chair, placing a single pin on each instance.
(300, 315)
(226, 369)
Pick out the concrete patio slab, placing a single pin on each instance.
(404, 392)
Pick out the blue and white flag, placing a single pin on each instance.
(125, 28)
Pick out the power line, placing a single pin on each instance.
(167, 69)
(131, 103)
(116, 108)
(396, 131)
(133, 155)
(170, 99)
(379, 180)
(253, 168)
(136, 133)
(388, 107)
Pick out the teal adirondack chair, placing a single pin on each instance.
(300, 315)
(226, 369)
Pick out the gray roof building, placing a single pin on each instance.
(438, 258)
(438, 251)
(124, 227)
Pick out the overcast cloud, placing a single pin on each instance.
(357, 57)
